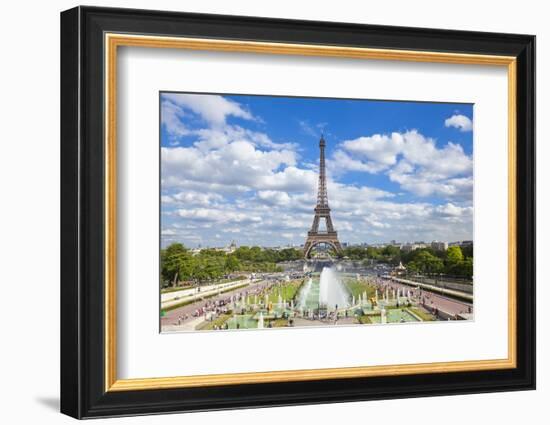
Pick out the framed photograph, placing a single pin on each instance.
(261, 212)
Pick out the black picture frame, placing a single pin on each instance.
(83, 392)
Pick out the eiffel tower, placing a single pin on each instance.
(322, 210)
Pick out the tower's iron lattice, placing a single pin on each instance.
(322, 211)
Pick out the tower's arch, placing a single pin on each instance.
(307, 251)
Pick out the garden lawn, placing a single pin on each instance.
(356, 288)
(287, 290)
(424, 315)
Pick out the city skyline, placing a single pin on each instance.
(345, 244)
(241, 167)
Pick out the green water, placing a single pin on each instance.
(395, 316)
(245, 321)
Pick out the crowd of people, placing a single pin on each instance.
(424, 298)
(212, 308)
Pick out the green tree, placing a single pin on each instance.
(355, 252)
(256, 254)
(373, 253)
(243, 253)
(175, 263)
(390, 251)
(290, 254)
(454, 255)
(413, 267)
(465, 268)
(453, 260)
(426, 262)
(232, 263)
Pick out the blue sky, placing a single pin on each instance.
(244, 168)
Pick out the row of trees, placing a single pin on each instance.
(455, 261)
(179, 264)
(259, 255)
(387, 253)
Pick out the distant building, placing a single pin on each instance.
(439, 246)
(408, 247)
(462, 244)
(229, 249)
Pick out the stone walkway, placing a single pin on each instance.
(186, 326)
(206, 292)
(185, 292)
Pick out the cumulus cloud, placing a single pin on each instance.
(212, 138)
(172, 117)
(191, 198)
(274, 197)
(218, 215)
(451, 210)
(238, 164)
(379, 152)
(211, 108)
(380, 148)
(341, 161)
(462, 122)
(410, 159)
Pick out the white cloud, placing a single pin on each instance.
(425, 182)
(235, 164)
(340, 161)
(346, 195)
(191, 198)
(452, 210)
(171, 119)
(212, 108)
(412, 160)
(379, 148)
(213, 138)
(291, 179)
(274, 197)
(220, 215)
(382, 151)
(462, 122)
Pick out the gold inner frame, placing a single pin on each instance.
(113, 41)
